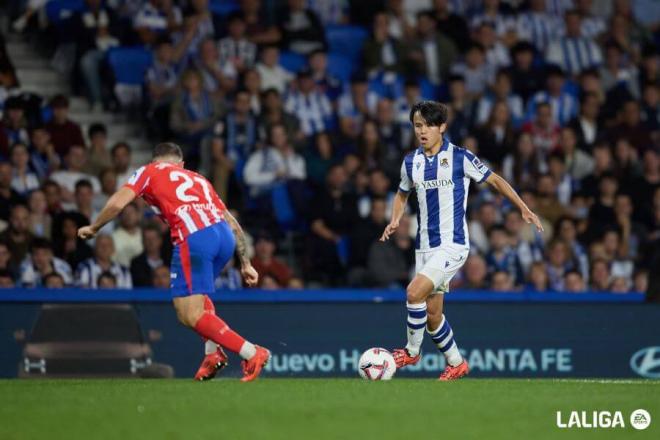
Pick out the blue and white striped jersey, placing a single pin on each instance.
(441, 183)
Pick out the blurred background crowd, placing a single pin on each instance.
(297, 111)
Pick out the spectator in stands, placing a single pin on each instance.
(537, 26)
(617, 253)
(631, 127)
(152, 257)
(333, 216)
(601, 213)
(252, 84)
(75, 161)
(18, 236)
(325, 82)
(193, 114)
(230, 277)
(312, 107)
(265, 262)
(235, 48)
(501, 258)
(382, 53)
(259, 29)
(479, 226)
(161, 81)
(40, 219)
(369, 146)
(645, 187)
(563, 180)
(355, 105)
(548, 204)
(577, 162)
(43, 158)
(434, 52)
(40, 263)
(574, 52)
(525, 243)
(474, 273)
(562, 104)
(13, 127)
(477, 73)
(461, 109)
(157, 18)
(496, 53)
(403, 105)
(600, 276)
(89, 271)
(272, 74)
(6, 280)
(53, 280)
(127, 236)
(106, 280)
(319, 158)
(239, 130)
(302, 31)
(523, 166)
(367, 231)
(98, 156)
(108, 179)
(23, 179)
(501, 91)
(651, 106)
(218, 76)
(66, 243)
(161, 277)
(64, 133)
(526, 78)
(537, 278)
(495, 137)
(543, 129)
(502, 282)
(586, 125)
(84, 201)
(389, 263)
(574, 282)
(121, 155)
(95, 30)
(566, 231)
(198, 25)
(452, 25)
(272, 112)
(6, 264)
(559, 260)
(53, 194)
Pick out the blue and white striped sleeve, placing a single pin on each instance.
(474, 168)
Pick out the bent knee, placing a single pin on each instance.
(415, 295)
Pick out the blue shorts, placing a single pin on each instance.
(199, 259)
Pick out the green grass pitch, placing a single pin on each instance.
(317, 409)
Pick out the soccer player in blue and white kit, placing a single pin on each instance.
(440, 173)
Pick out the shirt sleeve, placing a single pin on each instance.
(139, 181)
(474, 168)
(405, 185)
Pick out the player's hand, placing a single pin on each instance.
(86, 232)
(389, 230)
(531, 218)
(250, 275)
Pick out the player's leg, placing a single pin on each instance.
(215, 358)
(440, 331)
(416, 293)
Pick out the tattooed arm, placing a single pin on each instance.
(248, 272)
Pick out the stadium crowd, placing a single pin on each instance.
(302, 134)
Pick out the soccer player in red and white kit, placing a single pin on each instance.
(204, 235)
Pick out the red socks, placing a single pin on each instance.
(211, 327)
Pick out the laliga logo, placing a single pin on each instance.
(646, 362)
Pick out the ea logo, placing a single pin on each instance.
(640, 419)
(646, 362)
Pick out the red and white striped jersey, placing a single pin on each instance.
(183, 198)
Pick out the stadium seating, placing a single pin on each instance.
(346, 40)
(60, 10)
(292, 61)
(129, 64)
(223, 7)
(340, 66)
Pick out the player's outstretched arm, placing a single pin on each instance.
(505, 189)
(112, 208)
(248, 272)
(398, 208)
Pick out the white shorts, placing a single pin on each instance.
(440, 265)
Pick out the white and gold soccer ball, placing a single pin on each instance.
(376, 364)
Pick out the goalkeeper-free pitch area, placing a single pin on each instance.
(318, 409)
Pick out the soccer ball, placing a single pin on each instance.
(376, 364)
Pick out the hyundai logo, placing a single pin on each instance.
(646, 362)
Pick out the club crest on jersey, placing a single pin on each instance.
(444, 163)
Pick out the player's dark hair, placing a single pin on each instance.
(167, 149)
(433, 113)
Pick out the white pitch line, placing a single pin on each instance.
(612, 381)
